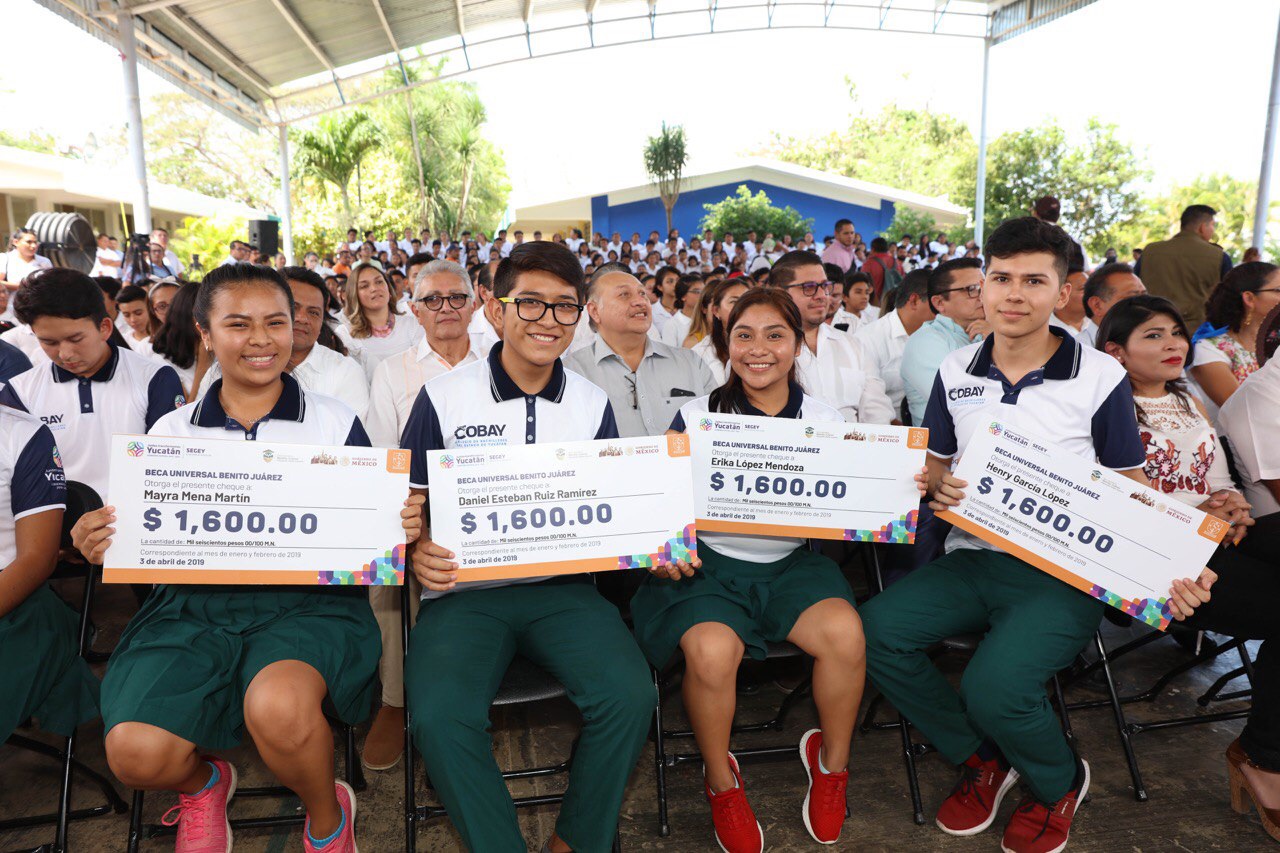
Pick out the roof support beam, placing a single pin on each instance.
(885, 5)
(528, 16)
(1262, 212)
(310, 42)
(653, 14)
(939, 12)
(712, 7)
(591, 21)
(829, 5)
(151, 6)
(215, 47)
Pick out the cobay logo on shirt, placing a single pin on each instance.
(967, 394)
(479, 431)
(53, 421)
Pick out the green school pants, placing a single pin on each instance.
(1035, 625)
(458, 654)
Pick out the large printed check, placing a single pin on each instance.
(203, 511)
(550, 509)
(817, 479)
(1084, 524)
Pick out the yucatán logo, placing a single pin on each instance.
(479, 431)
(966, 392)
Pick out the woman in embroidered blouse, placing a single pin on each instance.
(1224, 345)
(1185, 461)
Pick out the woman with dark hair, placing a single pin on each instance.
(177, 341)
(159, 297)
(712, 325)
(1224, 345)
(199, 666)
(19, 262)
(1185, 461)
(376, 327)
(745, 591)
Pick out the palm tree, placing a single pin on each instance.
(334, 150)
(665, 156)
(466, 143)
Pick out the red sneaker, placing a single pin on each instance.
(975, 799)
(737, 830)
(1037, 828)
(202, 818)
(824, 803)
(346, 840)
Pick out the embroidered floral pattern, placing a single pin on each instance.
(1241, 361)
(1180, 445)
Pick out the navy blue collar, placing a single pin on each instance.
(1063, 364)
(795, 398)
(103, 373)
(291, 406)
(504, 387)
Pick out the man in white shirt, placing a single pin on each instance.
(108, 260)
(161, 236)
(884, 341)
(392, 241)
(444, 303)
(1072, 316)
(239, 253)
(831, 366)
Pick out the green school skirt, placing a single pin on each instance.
(186, 659)
(759, 601)
(41, 673)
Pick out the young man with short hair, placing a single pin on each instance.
(1000, 727)
(955, 298)
(831, 366)
(884, 341)
(468, 632)
(840, 252)
(92, 389)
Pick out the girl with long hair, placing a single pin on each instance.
(177, 341)
(376, 327)
(712, 324)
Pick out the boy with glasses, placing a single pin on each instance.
(468, 632)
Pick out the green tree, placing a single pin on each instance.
(907, 220)
(1095, 178)
(743, 212)
(1233, 198)
(333, 151)
(209, 239)
(665, 156)
(917, 150)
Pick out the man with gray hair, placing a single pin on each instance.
(647, 381)
(443, 301)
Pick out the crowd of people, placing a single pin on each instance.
(1152, 370)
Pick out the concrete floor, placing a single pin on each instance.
(1183, 769)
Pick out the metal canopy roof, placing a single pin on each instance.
(264, 62)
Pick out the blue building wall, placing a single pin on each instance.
(645, 216)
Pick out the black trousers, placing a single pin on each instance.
(1243, 604)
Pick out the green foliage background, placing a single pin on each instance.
(743, 212)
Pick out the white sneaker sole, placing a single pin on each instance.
(351, 798)
(1084, 789)
(1009, 782)
(804, 810)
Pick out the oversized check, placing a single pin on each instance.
(203, 511)
(817, 479)
(562, 508)
(1098, 531)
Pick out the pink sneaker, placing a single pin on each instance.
(202, 818)
(346, 840)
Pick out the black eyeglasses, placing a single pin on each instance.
(532, 310)
(635, 395)
(973, 291)
(434, 302)
(809, 288)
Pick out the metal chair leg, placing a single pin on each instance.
(660, 759)
(913, 778)
(1122, 725)
(135, 823)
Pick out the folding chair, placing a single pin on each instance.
(523, 684)
(80, 499)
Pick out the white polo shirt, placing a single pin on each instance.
(1080, 400)
(127, 395)
(323, 371)
(1248, 419)
(298, 417)
(741, 546)
(661, 317)
(883, 343)
(481, 327)
(371, 350)
(31, 475)
(841, 376)
(396, 383)
(479, 405)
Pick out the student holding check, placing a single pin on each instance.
(198, 665)
(468, 633)
(747, 591)
(999, 726)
